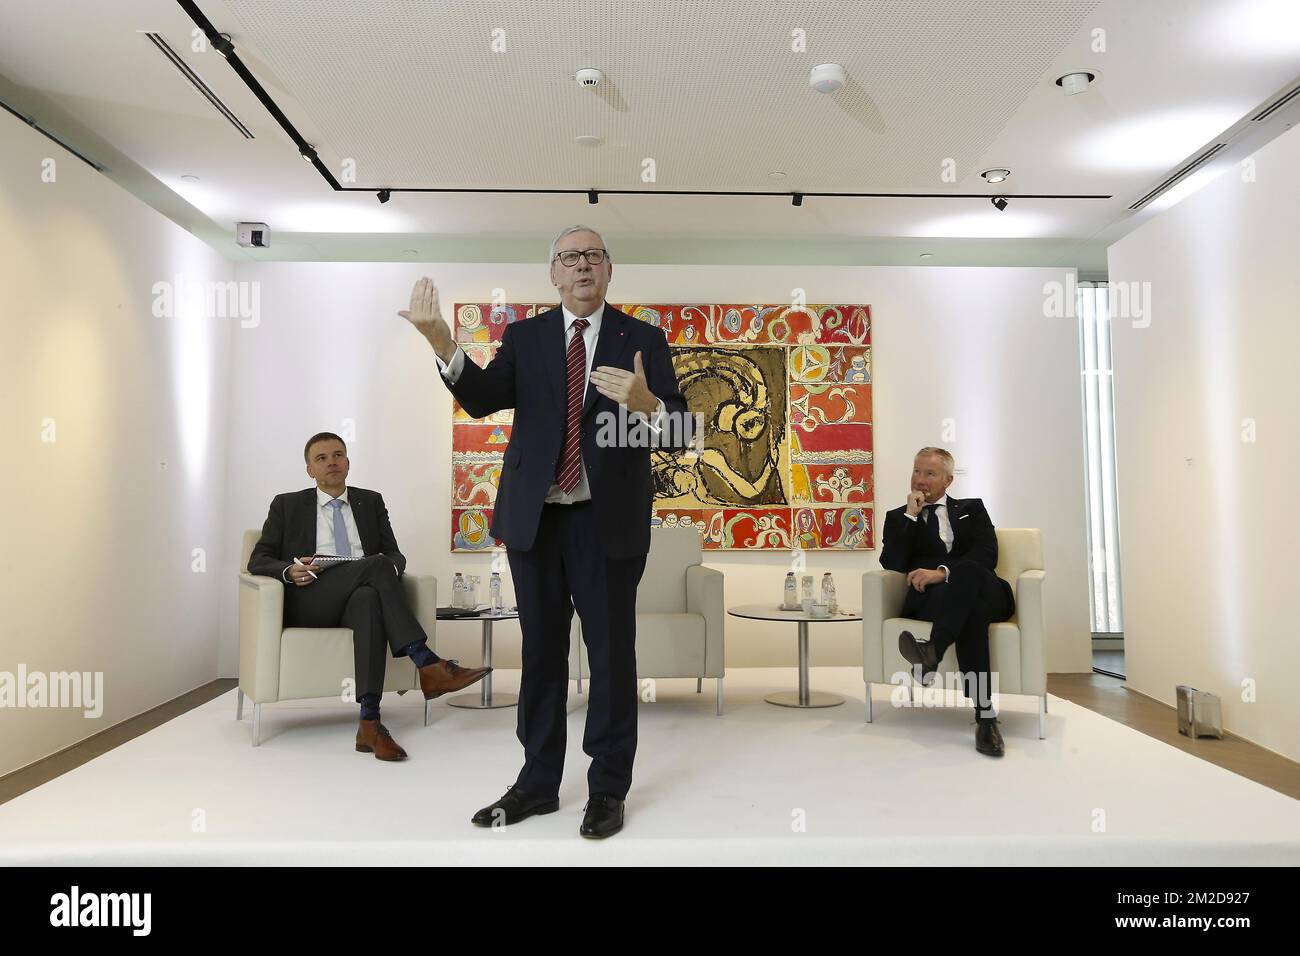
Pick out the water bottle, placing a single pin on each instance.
(494, 592)
(806, 594)
(458, 591)
(828, 592)
(791, 598)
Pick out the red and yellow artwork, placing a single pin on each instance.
(785, 396)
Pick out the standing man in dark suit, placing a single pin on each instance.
(949, 551)
(365, 595)
(573, 509)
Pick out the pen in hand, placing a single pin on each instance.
(309, 570)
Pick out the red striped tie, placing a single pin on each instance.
(570, 466)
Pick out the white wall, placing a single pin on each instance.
(95, 573)
(171, 434)
(971, 344)
(1207, 516)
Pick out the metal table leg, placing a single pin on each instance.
(804, 697)
(485, 699)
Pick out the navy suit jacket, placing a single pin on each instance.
(290, 530)
(528, 374)
(973, 539)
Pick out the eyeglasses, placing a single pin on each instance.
(570, 258)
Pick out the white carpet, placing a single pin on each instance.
(907, 789)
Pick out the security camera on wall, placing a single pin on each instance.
(253, 234)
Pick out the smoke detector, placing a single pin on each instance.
(826, 77)
(589, 77)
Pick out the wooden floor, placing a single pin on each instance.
(1107, 696)
(1111, 698)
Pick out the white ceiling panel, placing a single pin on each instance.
(716, 94)
(712, 92)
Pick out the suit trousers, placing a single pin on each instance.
(962, 609)
(566, 568)
(367, 596)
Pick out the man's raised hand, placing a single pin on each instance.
(426, 315)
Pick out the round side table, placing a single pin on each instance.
(803, 697)
(484, 699)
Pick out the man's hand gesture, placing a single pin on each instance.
(426, 315)
(626, 388)
(915, 501)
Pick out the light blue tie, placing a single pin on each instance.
(341, 545)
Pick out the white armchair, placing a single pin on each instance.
(297, 663)
(679, 615)
(1015, 646)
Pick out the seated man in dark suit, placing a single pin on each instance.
(948, 550)
(365, 595)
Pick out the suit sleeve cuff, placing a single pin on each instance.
(451, 370)
(655, 421)
(909, 517)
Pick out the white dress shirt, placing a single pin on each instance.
(325, 524)
(582, 490)
(325, 527)
(945, 527)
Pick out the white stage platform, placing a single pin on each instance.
(908, 789)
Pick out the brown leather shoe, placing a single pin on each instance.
(445, 676)
(373, 737)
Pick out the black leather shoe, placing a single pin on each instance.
(919, 652)
(516, 805)
(603, 817)
(988, 739)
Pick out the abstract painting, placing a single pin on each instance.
(785, 396)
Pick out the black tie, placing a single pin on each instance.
(931, 518)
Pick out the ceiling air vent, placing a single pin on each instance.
(196, 81)
(1199, 161)
(36, 125)
(1276, 105)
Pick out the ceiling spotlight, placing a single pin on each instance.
(384, 195)
(1000, 202)
(826, 77)
(927, 255)
(189, 177)
(308, 152)
(223, 45)
(1075, 82)
(995, 175)
(796, 199)
(593, 198)
(587, 140)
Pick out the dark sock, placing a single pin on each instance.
(420, 655)
(369, 706)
